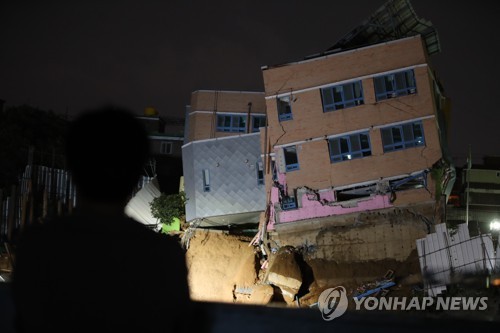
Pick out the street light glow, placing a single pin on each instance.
(495, 225)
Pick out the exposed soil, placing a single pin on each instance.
(218, 263)
(223, 268)
(356, 275)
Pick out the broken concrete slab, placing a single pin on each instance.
(285, 273)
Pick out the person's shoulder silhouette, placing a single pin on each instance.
(98, 269)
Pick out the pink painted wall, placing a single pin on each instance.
(314, 209)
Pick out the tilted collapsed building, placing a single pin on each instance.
(358, 128)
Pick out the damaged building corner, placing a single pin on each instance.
(356, 154)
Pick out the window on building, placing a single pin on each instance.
(288, 203)
(403, 136)
(231, 123)
(284, 108)
(166, 148)
(349, 147)
(260, 173)
(342, 96)
(206, 180)
(354, 193)
(257, 122)
(411, 182)
(291, 160)
(395, 84)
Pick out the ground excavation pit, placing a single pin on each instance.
(224, 268)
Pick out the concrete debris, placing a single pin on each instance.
(285, 273)
(376, 288)
(256, 294)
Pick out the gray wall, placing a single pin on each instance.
(234, 188)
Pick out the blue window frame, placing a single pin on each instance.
(288, 203)
(284, 108)
(342, 96)
(403, 136)
(257, 122)
(291, 159)
(231, 123)
(349, 147)
(395, 84)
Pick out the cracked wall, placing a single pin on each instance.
(367, 236)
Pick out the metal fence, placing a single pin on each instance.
(40, 193)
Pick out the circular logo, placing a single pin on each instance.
(332, 303)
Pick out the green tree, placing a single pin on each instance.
(166, 207)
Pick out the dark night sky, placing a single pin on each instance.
(72, 55)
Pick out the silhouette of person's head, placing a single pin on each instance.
(106, 150)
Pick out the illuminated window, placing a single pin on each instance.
(349, 147)
(231, 123)
(284, 108)
(342, 96)
(403, 136)
(291, 160)
(395, 84)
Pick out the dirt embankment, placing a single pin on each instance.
(356, 276)
(223, 268)
(218, 264)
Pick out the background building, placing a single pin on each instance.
(476, 197)
(223, 169)
(166, 135)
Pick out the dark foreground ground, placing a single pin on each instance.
(244, 318)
